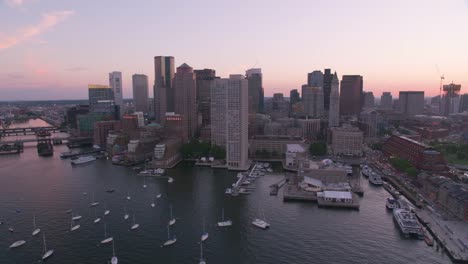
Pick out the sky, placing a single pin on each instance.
(51, 49)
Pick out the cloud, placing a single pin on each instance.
(48, 21)
(76, 69)
(16, 3)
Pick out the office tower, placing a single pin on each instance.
(229, 119)
(100, 97)
(163, 89)
(185, 97)
(254, 77)
(204, 78)
(463, 103)
(294, 96)
(351, 95)
(327, 82)
(347, 140)
(386, 101)
(411, 103)
(115, 82)
(312, 97)
(369, 100)
(277, 107)
(140, 92)
(334, 111)
(315, 79)
(450, 99)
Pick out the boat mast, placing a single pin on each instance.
(43, 240)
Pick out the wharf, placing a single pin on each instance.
(236, 186)
(293, 192)
(353, 205)
(451, 235)
(76, 154)
(404, 191)
(276, 186)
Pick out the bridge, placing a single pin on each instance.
(4, 142)
(26, 131)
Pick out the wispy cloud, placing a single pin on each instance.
(16, 3)
(76, 69)
(48, 21)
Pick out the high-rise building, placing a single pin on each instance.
(450, 102)
(312, 97)
(204, 78)
(185, 97)
(294, 97)
(334, 110)
(277, 107)
(369, 100)
(163, 88)
(351, 95)
(115, 82)
(140, 92)
(254, 77)
(411, 103)
(386, 101)
(100, 97)
(315, 79)
(229, 119)
(463, 103)
(347, 140)
(327, 82)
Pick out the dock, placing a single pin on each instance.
(81, 153)
(274, 188)
(238, 184)
(352, 205)
(293, 192)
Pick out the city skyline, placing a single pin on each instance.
(52, 49)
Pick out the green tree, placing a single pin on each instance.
(461, 155)
(412, 171)
(318, 148)
(218, 152)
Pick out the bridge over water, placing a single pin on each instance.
(26, 131)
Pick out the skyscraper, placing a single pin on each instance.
(163, 89)
(115, 82)
(463, 103)
(315, 79)
(411, 103)
(254, 77)
(204, 78)
(100, 96)
(312, 98)
(293, 98)
(185, 97)
(229, 115)
(351, 95)
(450, 102)
(140, 92)
(369, 100)
(327, 82)
(386, 101)
(334, 111)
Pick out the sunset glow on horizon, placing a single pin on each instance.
(53, 49)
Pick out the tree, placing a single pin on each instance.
(412, 171)
(218, 152)
(461, 155)
(318, 148)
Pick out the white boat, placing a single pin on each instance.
(228, 191)
(72, 226)
(11, 229)
(172, 220)
(94, 203)
(128, 196)
(366, 171)
(260, 223)
(106, 239)
(135, 225)
(375, 179)
(17, 244)
(106, 212)
(266, 165)
(202, 260)
(144, 182)
(158, 196)
(36, 230)
(170, 240)
(269, 170)
(83, 159)
(97, 219)
(246, 182)
(114, 259)
(126, 216)
(170, 180)
(76, 217)
(408, 223)
(224, 223)
(47, 253)
(391, 203)
(205, 234)
(68, 211)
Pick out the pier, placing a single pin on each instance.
(26, 131)
(236, 186)
(274, 188)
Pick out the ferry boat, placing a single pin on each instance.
(260, 223)
(366, 171)
(375, 179)
(408, 223)
(83, 159)
(391, 203)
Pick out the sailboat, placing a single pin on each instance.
(94, 203)
(36, 230)
(106, 211)
(97, 219)
(134, 226)
(18, 243)
(144, 182)
(224, 223)
(170, 180)
(158, 196)
(205, 234)
(172, 220)
(128, 196)
(72, 226)
(106, 239)
(114, 259)
(261, 223)
(76, 217)
(47, 253)
(153, 204)
(170, 240)
(125, 213)
(202, 260)
(68, 211)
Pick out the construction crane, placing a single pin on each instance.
(442, 77)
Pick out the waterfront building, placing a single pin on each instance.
(85, 123)
(351, 95)
(347, 140)
(312, 98)
(411, 103)
(271, 146)
(163, 88)
(115, 82)
(386, 101)
(419, 154)
(139, 150)
(294, 153)
(140, 92)
(315, 79)
(450, 102)
(334, 103)
(176, 126)
(254, 78)
(185, 98)
(167, 153)
(101, 131)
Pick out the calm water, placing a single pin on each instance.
(299, 233)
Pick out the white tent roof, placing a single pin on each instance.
(312, 181)
(337, 195)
